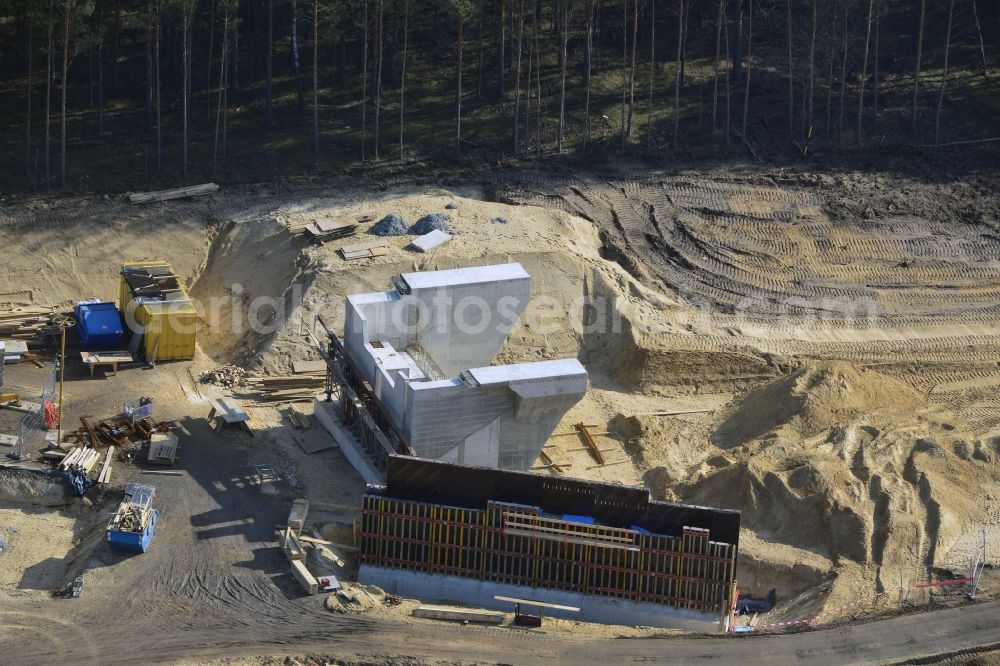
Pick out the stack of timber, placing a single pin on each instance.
(177, 193)
(331, 224)
(27, 322)
(291, 388)
(83, 457)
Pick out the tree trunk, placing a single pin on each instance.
(27, 163)
(270, 57)
(458, 87)
(156, 67)
(402, 77)
(517, 75)
(631, 69)
(746, 90)
(684, 44)
(725, 22)
(864, 73)
(625, 78)
(149, 77)
(538, 80)
(832, 54)
(68, 7)
(222, 86)
(588, 57)
(944, 74)
(875, 85)
(295, 55)
(560, 137)
(211, 49)
(378, 83)
(652, 69)
(100, 88)
(48, 104)
(677, 74)
(364, 85)
(715, 68)
(502, 45)
(916, 74)
(235, 61)
(527, 92)
(809, 104)
(843, 77)
(479, 69)
(979, 33)
(185, 83)
(315, 74)
(791, 76)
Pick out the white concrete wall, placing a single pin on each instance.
(460, 319)
(467, 323)
(593, 608)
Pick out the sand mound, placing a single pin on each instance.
(811, 399)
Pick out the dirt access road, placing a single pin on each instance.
(110, 638)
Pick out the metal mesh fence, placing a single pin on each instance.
(33, 426)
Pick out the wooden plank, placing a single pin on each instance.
(364, 245)
(538, 604)
(589, 441)
(8, 440)
(176, 193)
(107, 465)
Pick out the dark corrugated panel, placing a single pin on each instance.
(610, 504)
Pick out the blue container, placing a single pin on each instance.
(99, 326)
(134, 542)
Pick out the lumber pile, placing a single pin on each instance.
(176, 193)
(298, 228)
(82, 458)
(285, 389)
(27, 322)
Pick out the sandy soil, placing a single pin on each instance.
(833, 337)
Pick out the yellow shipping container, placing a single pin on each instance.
(165, 319)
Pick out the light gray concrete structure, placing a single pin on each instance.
(426, 347)
(605, 610)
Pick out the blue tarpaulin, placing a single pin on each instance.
(78, 482)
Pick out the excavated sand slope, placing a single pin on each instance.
(862, 450)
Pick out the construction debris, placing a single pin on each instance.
(176, 193)
(226, 376)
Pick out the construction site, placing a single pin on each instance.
(258, 422)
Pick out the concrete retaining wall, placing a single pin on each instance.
(604, 610)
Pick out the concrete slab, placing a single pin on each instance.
(459, 614)
(431, 240)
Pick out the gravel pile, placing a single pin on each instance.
(429, 223)
(390, 225)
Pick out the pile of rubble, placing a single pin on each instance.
(226, 376)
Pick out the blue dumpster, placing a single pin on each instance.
(99, 325)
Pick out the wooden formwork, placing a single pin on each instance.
(518, 545)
